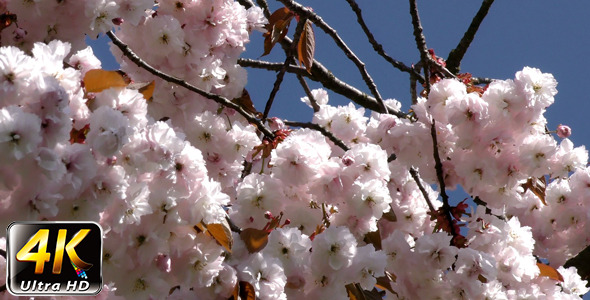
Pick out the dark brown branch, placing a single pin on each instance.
(312, 101)
(221, 100)
(378, 47)
(416, 178)
(276, 86)
(457, 54)
(441, 181)
(421, 43)
(413, 90)
(321, 74)
(338, 142)
(317, 20)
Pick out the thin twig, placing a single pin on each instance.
(413, 91)
(457, 54)
(338, 142)
(416, 178)
(441, 181)
(275, 88)
(221, 100)
(288, 61)
(378, 47)
(317, 20)
(312, 100)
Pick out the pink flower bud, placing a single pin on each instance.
(117, 21)
(563, 131)
(347, 160)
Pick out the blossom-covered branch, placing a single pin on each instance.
(221, 100)
(338, 142)
(416, 178)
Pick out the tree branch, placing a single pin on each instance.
(416, 178)
(317, 20)
(456, 55)
(312, 101)
(441, 181)
(420, 43)
(320, 74)
(221, 100)
(378, 47)
(338, 142)
(288, 60)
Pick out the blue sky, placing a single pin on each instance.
(553, 36)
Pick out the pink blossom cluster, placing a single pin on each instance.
(44, 21)
(156, 173)
(198, 42)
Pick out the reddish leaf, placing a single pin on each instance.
(255, 239)
(537, 186)
(277, 28)
(306, 46)
(247, 291)
(549, 271)
(220, 232)
(246, 103)
(98, 80)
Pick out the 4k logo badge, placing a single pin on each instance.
(54, 258)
